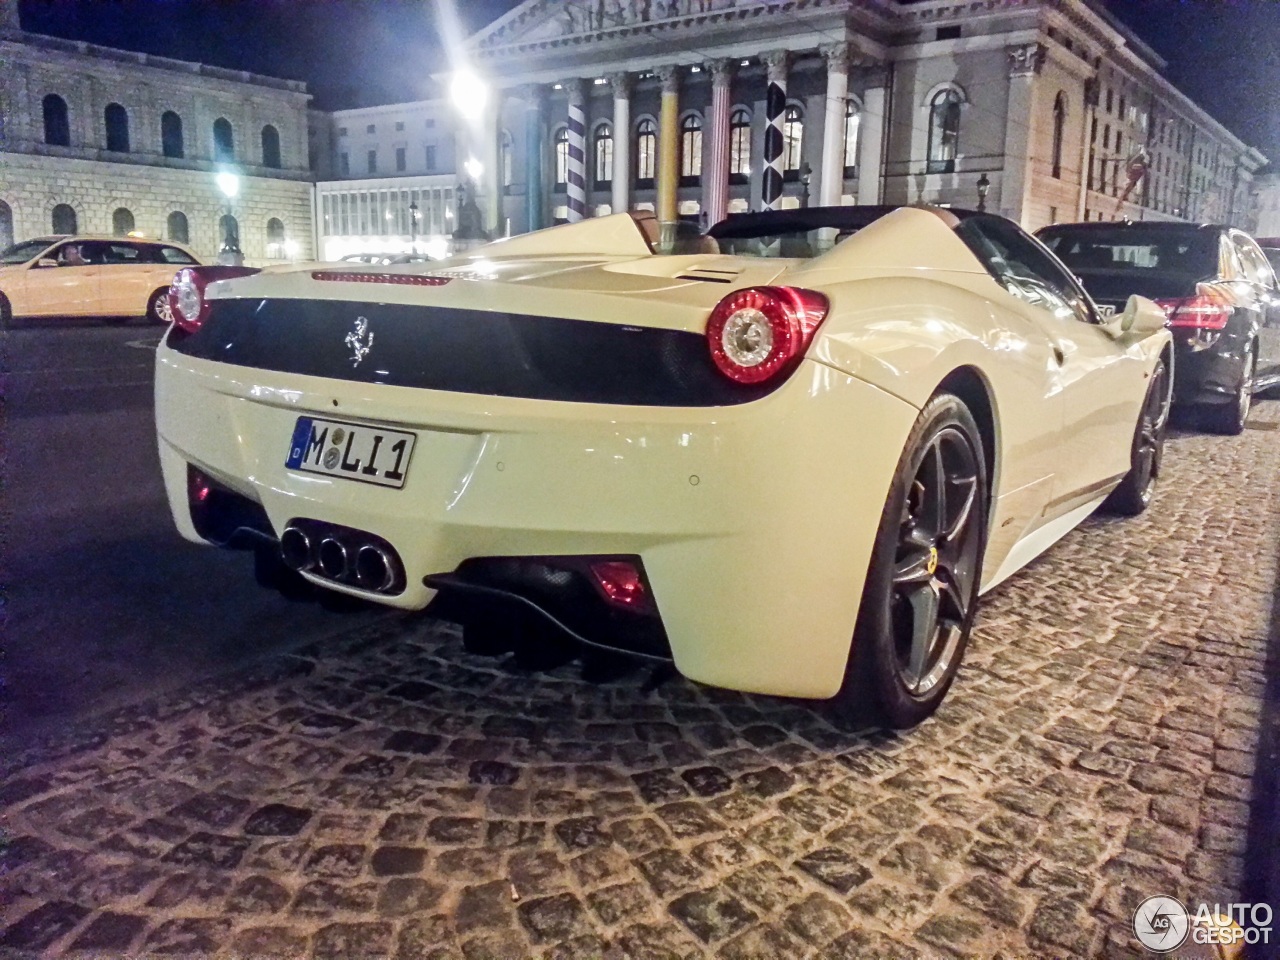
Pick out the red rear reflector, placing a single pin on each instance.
(1202, 312)
(198, 486)
(405, 279)
(756, 332)
(620, 581)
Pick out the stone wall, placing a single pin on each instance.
(32, 186)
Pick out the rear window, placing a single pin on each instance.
(1273, 254)
(1132, 249)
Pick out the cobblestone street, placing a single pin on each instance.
(390, 795)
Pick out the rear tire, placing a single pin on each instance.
(6, 313)
(921, 591)
(158, 309)
(1146, 452)
(1228, 419)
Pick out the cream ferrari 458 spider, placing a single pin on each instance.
(786, 456)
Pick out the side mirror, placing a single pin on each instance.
(46, 262)
(1141, 317)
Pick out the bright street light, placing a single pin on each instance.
(469, 93)
(474, 168)
(228, 183)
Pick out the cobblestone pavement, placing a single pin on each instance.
(391, 795)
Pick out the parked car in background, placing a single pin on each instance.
(110, 277)
(783, 466)
(385, 259)
(1217, 288)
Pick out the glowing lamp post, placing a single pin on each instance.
(984, 184)
(229, 184)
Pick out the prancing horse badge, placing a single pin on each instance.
(360, 340)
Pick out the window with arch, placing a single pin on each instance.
(646, 152)
(6, 226)
(177, 228)
(944, 131)
(122, 222)
(229, 229)
(506, 158)
(852, 127)
(562, 158)
(116, 119)
(171, 135)
(1059, 125)
(602, 156)
(224, 144)
(739, 146)
(64, 219)
(792, 140)
(275, 237)
(690, 150)
(57, 126)
(270, 147)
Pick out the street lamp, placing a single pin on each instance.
(413, 225)
(230, 254)
(983, 186)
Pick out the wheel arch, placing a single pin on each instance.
(975, 392)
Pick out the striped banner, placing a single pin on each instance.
(775, 105)
(577, 161)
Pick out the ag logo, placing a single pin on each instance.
(1161, 924)
(360, 340)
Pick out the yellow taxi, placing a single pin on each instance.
(110, 277)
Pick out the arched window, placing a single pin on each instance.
(6, 226)
(792, 139)
(646, 152)
(602, 156)
(852, 123)
(944, 131)
(275, 237)
(270, 147)
(739, 146)
(690, 150)
(224, 145)
(562, 158)
(176, 227)
(57, 128)
(171, 134)
(121, 222)
(117, 123)
(506, 158)
(230, 230)
(64, 219)
(1059, 123)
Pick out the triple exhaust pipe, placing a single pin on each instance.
(343, 555)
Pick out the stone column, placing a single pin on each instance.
(1025, 62)
(620, 83)
(716, 174)
(668, 152)
(775, 105)
(577, 172)
(490, 161)
(534, 153)
(872, 133)
(831, 185)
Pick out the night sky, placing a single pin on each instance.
(1225, 54)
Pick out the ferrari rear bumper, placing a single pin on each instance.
(754, 522)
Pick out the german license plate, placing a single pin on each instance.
(353, 451)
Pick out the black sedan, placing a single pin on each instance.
(1216, 286)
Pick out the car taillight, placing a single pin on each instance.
(621, 582)
(186, 292)
(756, 332)
(1204, 311)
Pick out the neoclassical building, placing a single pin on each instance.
(696, 108)
(105, 141)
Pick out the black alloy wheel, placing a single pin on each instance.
(158, 308)
(921, 591)
(1137, 489)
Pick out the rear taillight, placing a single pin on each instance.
(757, 332)
(621, 582)
(186, 292)
(1204, 311)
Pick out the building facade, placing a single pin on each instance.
(1267, 205)
(1036, 109)
(104, 141)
